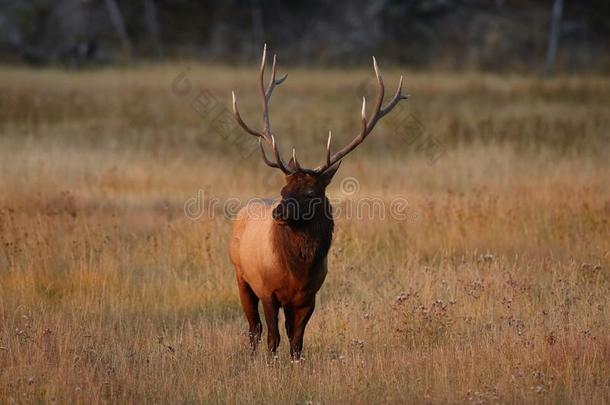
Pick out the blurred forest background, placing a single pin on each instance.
(491, 35)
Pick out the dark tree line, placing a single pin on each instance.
(484, 34)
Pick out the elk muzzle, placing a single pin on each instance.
(287, 211)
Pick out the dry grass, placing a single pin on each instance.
(495, 290)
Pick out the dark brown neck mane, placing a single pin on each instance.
(303, 245)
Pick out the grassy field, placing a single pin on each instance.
(495, 288)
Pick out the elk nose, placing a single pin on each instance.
(279, 213)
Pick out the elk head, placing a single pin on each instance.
(303, 195)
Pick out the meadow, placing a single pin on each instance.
(495, 287)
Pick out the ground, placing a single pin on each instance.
(482, 276)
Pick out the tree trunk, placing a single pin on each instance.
(153, 27)
(119, 26)
(258, 27)
(551, 53)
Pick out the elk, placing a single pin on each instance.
(279, 248)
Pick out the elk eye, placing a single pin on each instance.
(310, 194)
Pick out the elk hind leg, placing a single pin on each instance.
(249, 302)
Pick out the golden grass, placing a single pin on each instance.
(496, 289)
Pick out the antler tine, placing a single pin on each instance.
(380, 94)
(262, 73)
(272, 80)
(294, 159)
(268, 162)
(397, 97)
(278, 158)
(367, 127)
(240, 121)
(330, 135)
(363, 115)
(265, 99)
(278, 164)
(264, 155)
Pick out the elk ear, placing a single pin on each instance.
(328, 174)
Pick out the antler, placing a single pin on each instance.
(266, 133)
(367, 126)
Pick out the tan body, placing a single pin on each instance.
(258, 263)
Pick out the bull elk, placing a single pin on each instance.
(279, 249)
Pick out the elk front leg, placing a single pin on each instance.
(301, 317)
(271, 308)
(249, 302)
(289, 315)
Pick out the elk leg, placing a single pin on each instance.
(289, 315)
(301, 317)
(272, 308)
(249, 302)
